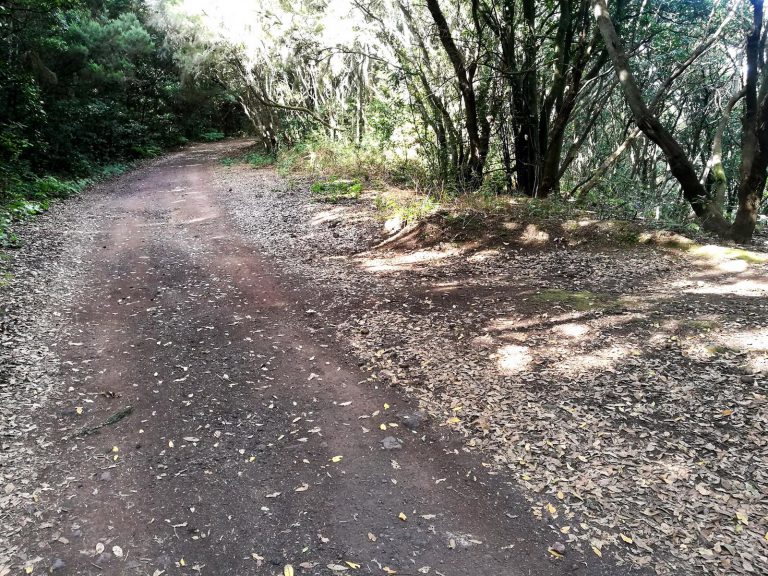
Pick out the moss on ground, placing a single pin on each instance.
(700, 324)
(713, 251)
(582, 301)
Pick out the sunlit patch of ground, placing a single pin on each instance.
(339, 214)
(572, 330)
(482, 255)
(722, 255)
(402, 262)
(599, 360)
(512, 359)
(754, 342)
(746, 287)
(534, 235)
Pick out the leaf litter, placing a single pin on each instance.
(625, 389)
(637, 427)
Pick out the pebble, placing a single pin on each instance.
(391, 443)
(559, 547)
(412, 421)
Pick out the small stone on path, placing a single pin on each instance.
(391, 443)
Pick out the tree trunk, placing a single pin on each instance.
(465, 77)
(714, 174)
(680, 166)
(754, 144)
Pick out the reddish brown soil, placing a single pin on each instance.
(183, 320)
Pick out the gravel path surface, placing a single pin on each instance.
(179, 398)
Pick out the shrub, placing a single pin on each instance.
(259, 160)
(334, 191)
(7, 238)
(407, 211)
(212, 136)
(147, 151)
(321, 157)
(33, 195)
(49, 187)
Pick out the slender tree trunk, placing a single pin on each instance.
(581, 190)
(714, 175)
(754, 148)
(478, 150)
(679, 164)
(506, 156)
(593, 116)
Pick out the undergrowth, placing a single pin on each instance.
(212, 136)
(255, 159)
(27, 197)
(331, 164)
(407, 211)
(368, 163)
(336, 190)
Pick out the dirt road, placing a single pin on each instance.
(252, 440)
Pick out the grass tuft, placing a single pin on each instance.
(334, 191)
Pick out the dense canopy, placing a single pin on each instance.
(636, 109)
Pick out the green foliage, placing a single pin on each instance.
(321, 158)
(408, 211)
(27, 198)
(546, 209)
(259, 160)
(482, 202)
(212, 136)
(333, 191)
(8, 239)
(85, 84)
(324, 157)
(146, 151)
(382, 118)
(50, 187)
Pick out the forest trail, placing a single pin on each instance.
(254, 440)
